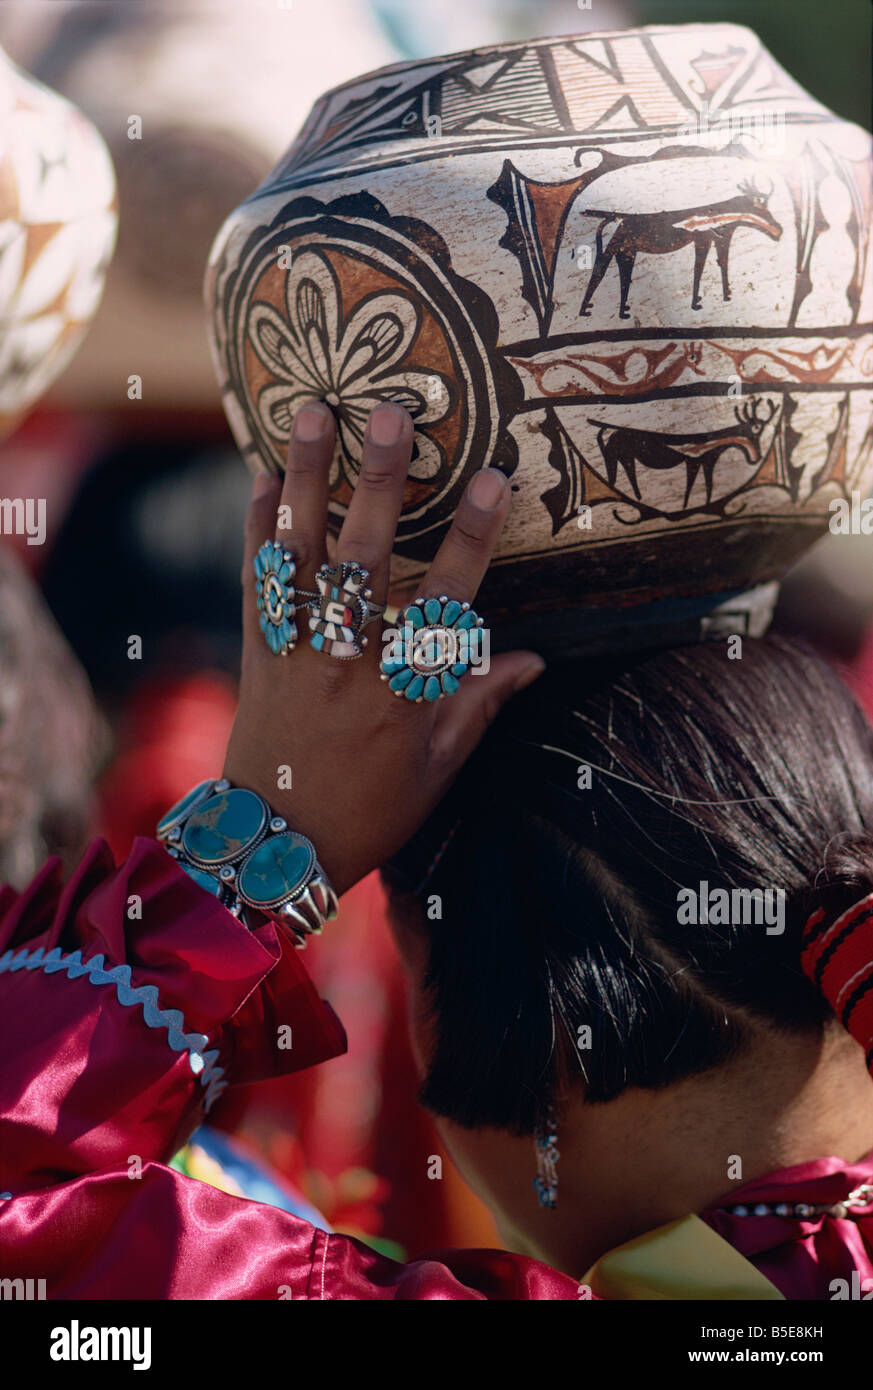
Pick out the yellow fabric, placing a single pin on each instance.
(684, 1259)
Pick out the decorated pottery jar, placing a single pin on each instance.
(631, 270)
(57, 232)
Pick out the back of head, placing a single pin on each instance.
(567, 943)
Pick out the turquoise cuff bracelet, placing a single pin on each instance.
(228, 840)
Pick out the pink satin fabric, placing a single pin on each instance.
(803, 1258)
(86, 1087)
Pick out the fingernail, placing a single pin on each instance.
(487, 488)
(311, 423)
(385, 424)
(262, 483)
(529, 674)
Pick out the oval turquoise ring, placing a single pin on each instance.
(430, 649)
(277, 597)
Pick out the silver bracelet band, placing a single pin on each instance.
(228, 840)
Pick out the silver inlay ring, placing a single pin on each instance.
(343, 608)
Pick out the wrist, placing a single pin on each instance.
(311, 818)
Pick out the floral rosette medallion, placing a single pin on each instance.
(431, 648)
(274, 585)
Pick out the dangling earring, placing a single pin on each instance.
(546, 1141)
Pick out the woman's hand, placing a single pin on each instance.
(366, 767)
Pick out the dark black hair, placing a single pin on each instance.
(559, 902)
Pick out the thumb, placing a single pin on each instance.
(466, 715)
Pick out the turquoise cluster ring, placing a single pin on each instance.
(228, 840)
(277, 597)
(430, 649)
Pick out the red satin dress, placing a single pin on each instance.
(129, 998)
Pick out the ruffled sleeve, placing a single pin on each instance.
(129, 998)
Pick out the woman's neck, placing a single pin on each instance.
(649, 1157)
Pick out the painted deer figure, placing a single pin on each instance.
(660, 233)
(621, 446)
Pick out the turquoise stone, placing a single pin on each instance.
(432, 690)
(205, 880)
(459, 669)
(414, 688)
(317, 641)
(390, 667)
(450, 685)
(285, 574)
(469, 619)
(276, 869)
(414, 616)
(224, 826)
(433, 610)
(451, 612)
(183, 808)
(401, 680)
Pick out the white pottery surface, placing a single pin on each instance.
(57, 233)
(218, 88)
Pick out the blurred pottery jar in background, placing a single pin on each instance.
(57, 233)
(632, 270)
(195, 99)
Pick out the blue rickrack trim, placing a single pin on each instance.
(203, 1064)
